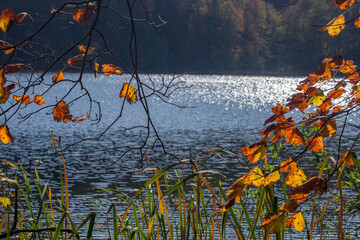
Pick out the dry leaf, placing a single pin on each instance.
(58, 77)
(74, 60)
(62, 112)
(335, 26)
(128, 92)
(7, 19)
(297, 221)
(289, 206)
(39, 100)
(273, 222)
(5, 134)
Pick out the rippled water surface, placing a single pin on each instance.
(221, 112)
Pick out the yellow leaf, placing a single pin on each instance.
(295, 178)
(24, 99)
(335, 26)
(272, 178)
(128, 92)
(317, 100)
(257, 177)
(297, 221)
(5, 134)
(5, 201)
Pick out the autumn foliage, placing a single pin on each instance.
(308, 119)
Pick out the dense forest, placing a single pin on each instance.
(213, 36)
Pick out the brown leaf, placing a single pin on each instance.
(273, 222)
(13, 68)
(316, 184)
(289, 206)
(20, 17)
(74, 60)
(4, 44)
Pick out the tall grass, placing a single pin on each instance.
(172, 204)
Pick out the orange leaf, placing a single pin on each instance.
(108, 69)
(295, 178)
(273, 222)
(7, 19)
(348, 68)
(357, 21)
(297, 221)
(128, 92)
(278, 116)
(288, 166)
(343, 4)
(294, 135)
(4, 44)
(5, 134)
(316, 144)
(2, 76)
(78, 15)
(80, 119)
(118, 71)
(255, 152)
(336, 93)
(82, 49)
(347, 157)
(289, 206)
(74, 60)
(39, 100)
(58, 77)
(13, 68)
(62, 112)
(24, 99)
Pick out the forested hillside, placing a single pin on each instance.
(215, 36)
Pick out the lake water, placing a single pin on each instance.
(221, 112)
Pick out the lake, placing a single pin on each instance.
(217, 112)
